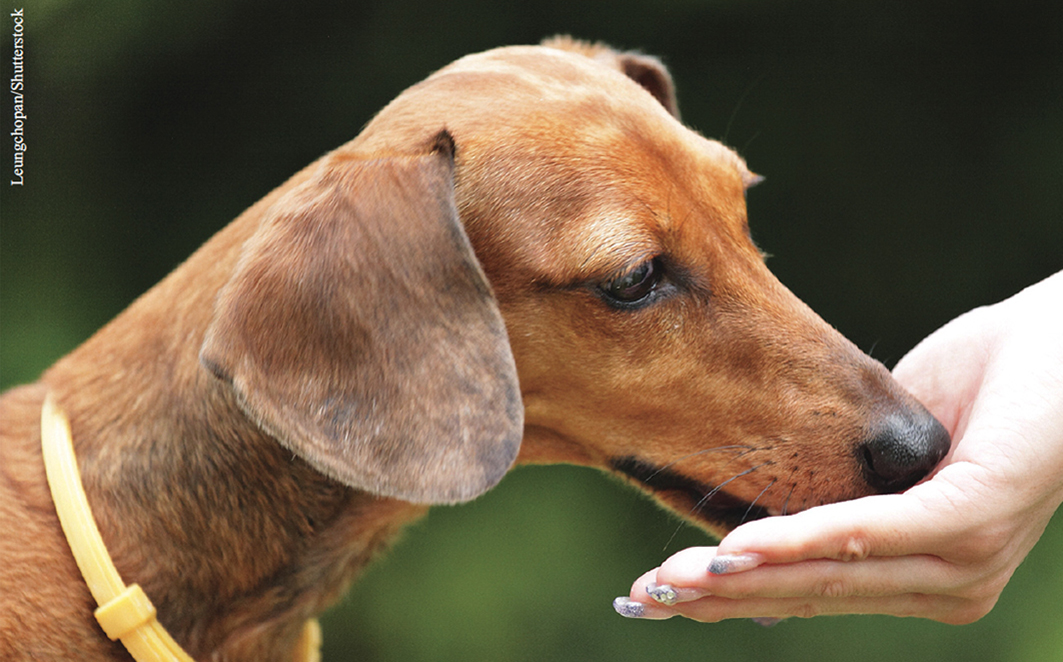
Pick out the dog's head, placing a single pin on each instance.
(649, 337)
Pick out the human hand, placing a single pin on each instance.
(946, 548)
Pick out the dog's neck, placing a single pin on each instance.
(235, 540)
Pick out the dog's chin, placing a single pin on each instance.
(709, 507)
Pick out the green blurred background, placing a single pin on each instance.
(914, 160)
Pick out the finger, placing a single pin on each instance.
(782, 597)
(687, 568)
(885, 525)
(940, 608)
(662, 593)
(873, 577)
(767, 610)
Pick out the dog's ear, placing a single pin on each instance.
(360, 331)
(650, 73)
(647, 71)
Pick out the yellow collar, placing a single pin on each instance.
(125, 613)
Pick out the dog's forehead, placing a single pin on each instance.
(508, 95)
(573, 152)
(539, 99)
(544, 73)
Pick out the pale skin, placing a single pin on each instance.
(945, 549)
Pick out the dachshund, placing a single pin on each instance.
(525, 258)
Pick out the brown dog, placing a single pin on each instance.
(257, 426)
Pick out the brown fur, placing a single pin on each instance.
(254, 428)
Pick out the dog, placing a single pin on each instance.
(526, 257)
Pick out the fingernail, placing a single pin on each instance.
(669, 595)
(628, 608)
(767, 621)
(663, 593)
(731, 563)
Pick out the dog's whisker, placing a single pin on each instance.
(738, 105)
(745, 147)
(715, 490)
(705, 499)
(786, 503)
(672, 537)
(754, 502)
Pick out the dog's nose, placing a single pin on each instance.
(903, 450)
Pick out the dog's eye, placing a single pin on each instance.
(635, 286)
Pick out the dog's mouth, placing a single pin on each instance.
(690, 498)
